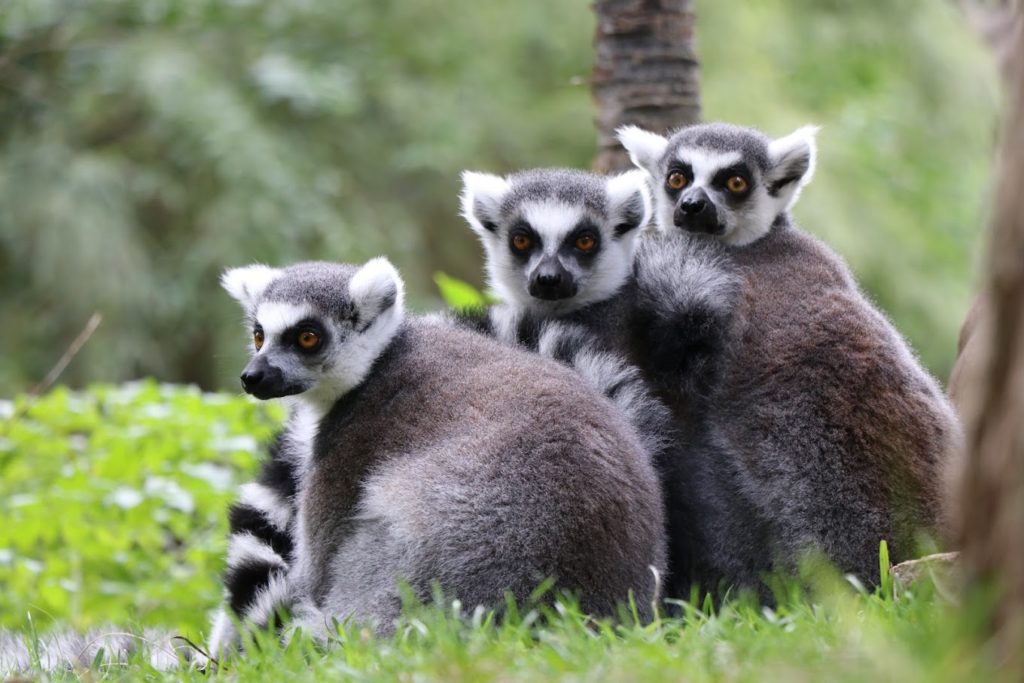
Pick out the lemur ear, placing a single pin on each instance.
(481, 200)
(376, 288)
(645, 148)
(629, 201)
(793, 158)
(246, 284)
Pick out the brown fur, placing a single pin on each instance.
(840, 436)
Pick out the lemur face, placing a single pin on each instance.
(556, 240)
(722, 180)
(316, 327)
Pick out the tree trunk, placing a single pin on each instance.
(1000, 25)
(645, 72)
(992, 484)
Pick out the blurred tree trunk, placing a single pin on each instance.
(992, 483)
(1000, 25)
(646, 71)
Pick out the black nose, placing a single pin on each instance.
(550, 279)
(251, 379)
(692, 207)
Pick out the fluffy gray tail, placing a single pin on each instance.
(574, 345)
(97, 648)
(688, 310)
(611, 375)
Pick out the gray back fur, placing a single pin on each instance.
(476, 466)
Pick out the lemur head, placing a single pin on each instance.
(723, 180)
(556, 239)
(316, 327)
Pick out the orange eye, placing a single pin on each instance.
(736, 184)
(257, 339)
(676, 180)
(308, 339)
(521, 242)
(585, 243)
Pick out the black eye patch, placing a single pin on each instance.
(297, 334)
(584, 239)
(523, 240)
(678, 167)
(722, 178)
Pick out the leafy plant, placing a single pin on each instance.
(115, 501)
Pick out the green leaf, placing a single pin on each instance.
(885, 571)
(459, 295)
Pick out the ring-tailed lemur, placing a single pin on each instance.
(580, 284)
(830, 434)
(424, 453)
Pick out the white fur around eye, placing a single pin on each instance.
(277, 316)
(706, 163)
(552, 220)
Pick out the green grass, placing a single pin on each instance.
(113, 513)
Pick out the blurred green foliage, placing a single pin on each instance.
(460, 295)
(113, 502)
(146, 145)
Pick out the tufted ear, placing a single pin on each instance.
(629, 201)
(645, 148)
(375, 289)
(793, 158)
(481, 200)
(246, 284)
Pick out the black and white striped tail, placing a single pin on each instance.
(259, 550)
(101, 647)
(611, 375)
(688, 301)
(572, 344)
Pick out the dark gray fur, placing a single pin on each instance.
(315, 283)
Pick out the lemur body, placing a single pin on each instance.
(626, 311)
(830, 436)
(434, 454)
